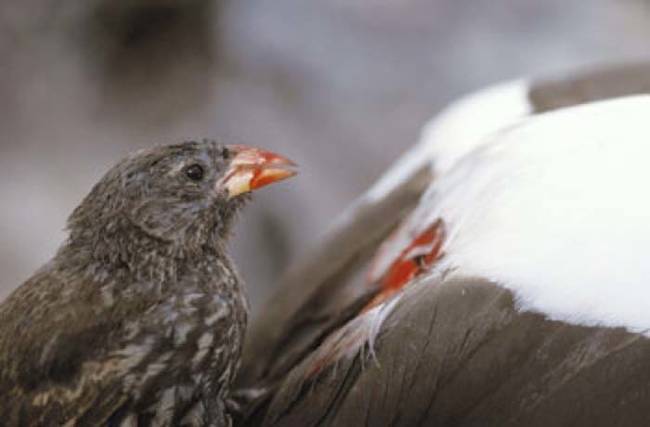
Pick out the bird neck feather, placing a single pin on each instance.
(129, 250)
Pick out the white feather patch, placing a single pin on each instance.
(457, 130)
(557, 210)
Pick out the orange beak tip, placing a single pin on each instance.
(268, 176)
(252, 168)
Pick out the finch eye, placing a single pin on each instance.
(194, 172)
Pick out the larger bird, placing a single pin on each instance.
(496, 276)
(139, 318)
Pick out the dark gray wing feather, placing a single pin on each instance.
(53, 354)
(460, 354)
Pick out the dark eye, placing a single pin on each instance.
(194, 172)
(225, 153)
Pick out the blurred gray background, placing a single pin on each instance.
(340, 86)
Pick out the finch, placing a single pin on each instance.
(139, 318)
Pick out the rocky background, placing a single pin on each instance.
(340, 86)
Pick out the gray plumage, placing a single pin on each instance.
(139, 317)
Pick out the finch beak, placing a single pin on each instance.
(252, 168)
